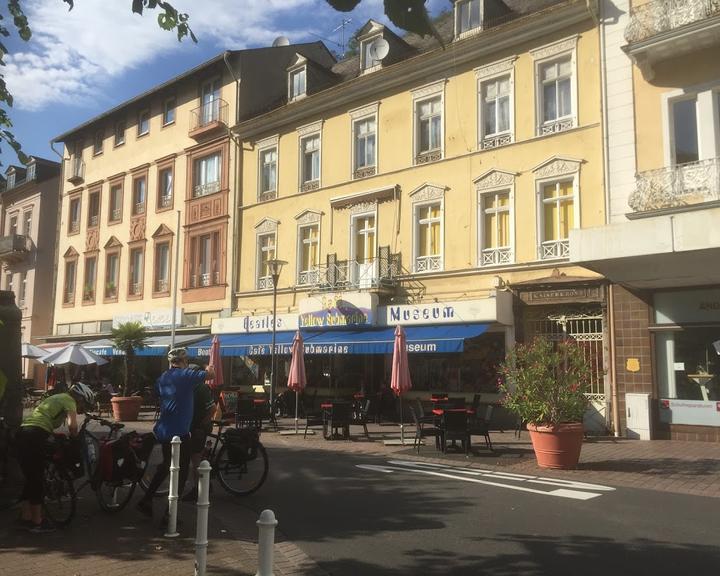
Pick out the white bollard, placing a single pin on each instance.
(266, 542)
(201, 531)
(173, 493)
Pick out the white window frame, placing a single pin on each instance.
(423, 196)
(456, 17)
(22, 292)
(292, 96)
(354, 217)
(491, 73)
(361, 115)
(304, 133)
(27, 214)
(543, 56)
(499, 255)
(556, 171)
(309, 276)
(141, 113)
(119, 135)
(13, 222)
(208, 187)
(263, 282)
(263, 147)
(365, 43)
(166, 108)
(420, 95)
(31, 171)
(98, 142)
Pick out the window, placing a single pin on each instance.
(297, 83)
(10, 182)
(98, 142)
(168, 116)
(467, 16)
(310, 162)
(116, 202)
(162, 267)
(13, 225)
(268, 174)
(309, 254)
(139, 195)
(135, 276)
(69, 286)
(364, 238)
(143, 126)
(266, 252)
(31, 171)
(428, 124)
(120, 133)
(495, 222)
(27, 223)
(204, 260)
(165, 191)
(9, 281)
(207, 175)
(685, 131)
(495, 111)
(210, 102)
(365, 155)
(112, 275)
(558, 217)
(74, 216)
(94, 209)
(368, 54)
(428, 237)
(23, 289)
(89, 281)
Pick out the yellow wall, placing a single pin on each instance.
(462, 164)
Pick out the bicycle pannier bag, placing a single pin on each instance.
(241, 444)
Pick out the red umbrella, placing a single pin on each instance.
(400, 381)
(296, 379)
(216, 363)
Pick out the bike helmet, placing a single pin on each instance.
(177, 355)
(84, 392)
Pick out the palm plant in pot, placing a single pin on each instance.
(544, 383)
(128, 337)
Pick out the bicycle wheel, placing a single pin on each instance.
(113, 496)
(243, 478)
(59, 500)
(152, 463)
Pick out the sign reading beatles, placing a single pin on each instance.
(260, 323)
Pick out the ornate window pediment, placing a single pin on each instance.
(162, 230)
(71, 253)
(557, 166)
(112, 243)
(267, 225)
(308, 217)
(428, 192)
(494, 178)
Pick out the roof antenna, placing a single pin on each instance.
(345, 22)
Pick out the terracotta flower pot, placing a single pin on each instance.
(126, 408)
(557, 446)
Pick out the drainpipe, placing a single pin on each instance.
(57, 234)
(613, 362)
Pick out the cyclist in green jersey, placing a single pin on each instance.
(35, 430)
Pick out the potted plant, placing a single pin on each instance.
(128, 337)
(110, 291)
(544, 383)
(88, 293)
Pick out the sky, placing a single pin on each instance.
(82, 62)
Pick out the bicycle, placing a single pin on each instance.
(238, 460)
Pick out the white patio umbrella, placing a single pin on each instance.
(73, 354)
(32, 351)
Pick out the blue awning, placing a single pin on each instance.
(420, 339)
(155, 345)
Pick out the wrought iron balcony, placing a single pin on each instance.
(653, 18)
(162, 286)
(14, 248)
(208, 118)
(374, 274)
(205, 279)
(166, 201)
(75, 171)
(676, 186)
(206, 189)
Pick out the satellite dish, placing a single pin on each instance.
(281, 41)
(379, 49)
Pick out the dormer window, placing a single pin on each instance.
(369, 54)
(298, 83)
(10, 183)
(467, 16)
(31, 171)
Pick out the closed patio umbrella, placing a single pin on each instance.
(73, 354)
(400, 381)
(32, 351)
(297, 379)
(216, 383)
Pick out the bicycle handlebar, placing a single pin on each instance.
(107, 423)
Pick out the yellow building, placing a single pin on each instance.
(430, 187)
(149, 183)
(661, 243)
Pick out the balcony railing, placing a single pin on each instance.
(14, 247)
(165, 201)
(552, 249)
(206, 189)
(311, 276)
(204, 279)
(555, 126)
(208, 116)
(267, 195)
(75, 170)
(139, 208)
(380, 272)
(675, 186)
(115, 215)
(496, 256)
(74, 227)
(428, 263)
(93, 221)
(495, 141)
(659, 16)
(162, 286)
(136, 288)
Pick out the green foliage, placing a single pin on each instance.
(545, 382)
(168, 19)
(129, 337)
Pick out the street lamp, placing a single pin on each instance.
(274, 267)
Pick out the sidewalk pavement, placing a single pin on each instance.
(96, 544)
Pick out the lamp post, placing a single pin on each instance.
(274, 267)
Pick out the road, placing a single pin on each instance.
(358, 514)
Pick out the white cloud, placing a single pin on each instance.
(74, 57)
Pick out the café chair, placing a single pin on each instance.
(245, 414)
(480, 423)
(422, 432)
(340, 418)
(360, 415)
(312, 417)
(454, 426)
(456, 401)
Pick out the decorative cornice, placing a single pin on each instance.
(555, 48)
(140, 168)
(369, 110)
(557, 166)
(494, 179)
(162, 230)
(308, 217)
(495, 68)
(373, 28)
(310, 128)
(71, 253)
(266, 225)
(268, 142)
(429, 89)
(428, 192)
(368, 196)
(297, 62)
(112, 243)
(363, 207)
